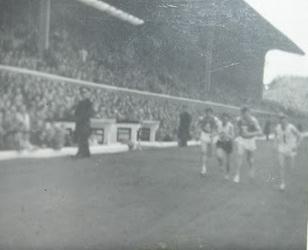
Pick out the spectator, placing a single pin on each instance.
(37, 135)
(58, 139)
(48, 135)
(83, 55)
(2, 131)
(184, 127)
(23, 118)
(267, 129)
(300, 127)
(13, 129)
(84, 111)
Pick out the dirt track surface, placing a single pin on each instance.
(152, 199)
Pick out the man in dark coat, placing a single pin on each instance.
(184, 127)
(83, 113)
(267, 129)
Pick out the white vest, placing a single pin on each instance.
(286, 136)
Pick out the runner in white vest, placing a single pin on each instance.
(287, 140)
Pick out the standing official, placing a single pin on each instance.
(184, 127)
(83, 113)
(267, 129)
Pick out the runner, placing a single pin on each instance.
(209, 126)
(249, 129)
(224, 145)
(287, 140)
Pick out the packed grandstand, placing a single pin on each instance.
(30, 105)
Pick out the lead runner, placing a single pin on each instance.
(249, 129)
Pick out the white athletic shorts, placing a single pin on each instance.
(207, 141)
(205, 138)
(289, 150)
(246, 144)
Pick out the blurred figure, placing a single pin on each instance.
(58, 140)
(13, 129)
(24, 121)
(184, 127)
(48, 135)
(2, 131)
(38, 133)
(287, 141)
(267, 129)
(300, 127)
(83, 113)
(83, 54)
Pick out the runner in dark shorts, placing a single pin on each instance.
(224, 145)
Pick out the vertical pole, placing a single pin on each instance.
(209, 58)
(44, 25)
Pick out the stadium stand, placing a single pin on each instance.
(31, 106)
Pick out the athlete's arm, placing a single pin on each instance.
(199, 126)
(231, 131)
(258, 127)
(217, 126)
(297, 134)
(237, 129)
(276, 140)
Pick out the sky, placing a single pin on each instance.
(290, 17)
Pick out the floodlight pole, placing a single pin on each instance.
(113, 11)
(44, 26)
(209, 57)
(44, 19)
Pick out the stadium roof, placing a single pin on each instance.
(111, 10)
(233, 15)
(173, 42)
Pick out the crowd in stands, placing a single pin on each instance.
(30, 106)
(66, 57)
